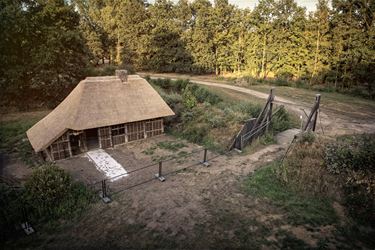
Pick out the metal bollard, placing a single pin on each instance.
(27, 228)
(205, 162)
(104, 195)
(159, 175)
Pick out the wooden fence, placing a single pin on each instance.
(256, 126)
(313, 116)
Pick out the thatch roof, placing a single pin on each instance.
(98, 102)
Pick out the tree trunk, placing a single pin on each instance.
(263, 74)
(118, 49)
(316, 55)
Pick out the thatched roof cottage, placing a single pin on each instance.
(100, 112)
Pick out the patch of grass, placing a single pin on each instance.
(13, 139)
(291, 242)
(150, 150)
(357, 234)
(171, 145)
(259, 143)
(300, 209)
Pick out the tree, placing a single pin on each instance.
(319, 40)
(167, 51)
(201, 44)
(261, 38)
(353, 43)
(43, 52)
(289, 27)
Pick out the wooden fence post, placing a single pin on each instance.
(269, 115)
(313, 116)
(317, 100)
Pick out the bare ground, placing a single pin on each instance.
(197, 208)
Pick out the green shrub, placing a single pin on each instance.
(281, 121)
(189, 99)
(51, 193)
(343, 170)
(215, 120)
(308, 137)
(171, 145)
(196, 134)
(203, 95)
(11, 210)
(351, 153)
(353, 159)
(200, 113)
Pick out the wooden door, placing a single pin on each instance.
(105, 137)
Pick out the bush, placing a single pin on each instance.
(51, 193)
(196, 134)
(106, 70)
(353, 159)
(281, 121)
(204, 117)
(189, 99)
(343, 170)
(308, 137)
(351, 153)
(10, 210)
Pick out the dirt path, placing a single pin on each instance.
(331, 122)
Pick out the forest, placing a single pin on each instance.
(47, 46)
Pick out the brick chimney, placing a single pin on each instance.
(122, 74)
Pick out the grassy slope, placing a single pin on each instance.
(215, 124)
(300, 209)
(13, 140)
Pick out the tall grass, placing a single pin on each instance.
(300, 208)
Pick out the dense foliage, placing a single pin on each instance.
(46, 44)
(49, 194)
(342, 169)
(334, 45)
(353, 157)
(42, 51)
